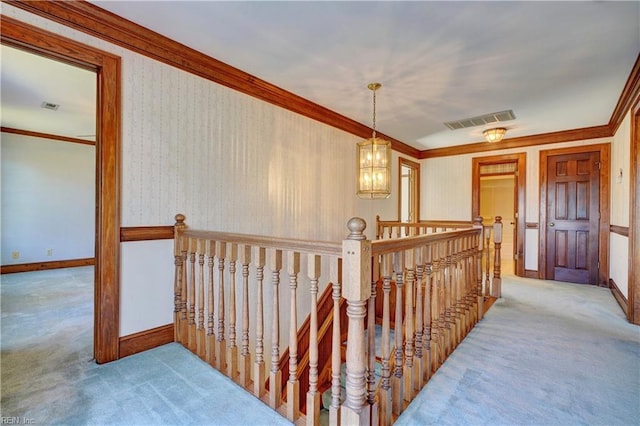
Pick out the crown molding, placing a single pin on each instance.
(95, 21)
(45, 136)
(98, 22)
(629, 97)
(594, 132)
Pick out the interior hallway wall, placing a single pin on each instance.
(450, 198)
(228, 161)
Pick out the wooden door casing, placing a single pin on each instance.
(573, 182)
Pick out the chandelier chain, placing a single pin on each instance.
(374, 113)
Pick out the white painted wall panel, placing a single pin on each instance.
(48, 199)
(145, 303)
(531, 249)
(619, 263)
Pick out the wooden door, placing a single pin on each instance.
(573, 182)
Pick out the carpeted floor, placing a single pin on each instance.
(545, 354)
(48, 376)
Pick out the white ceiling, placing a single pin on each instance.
(28, 80)
(557, 65)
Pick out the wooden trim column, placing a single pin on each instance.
(633, 311)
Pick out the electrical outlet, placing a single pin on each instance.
(49, 252)
(15, 255)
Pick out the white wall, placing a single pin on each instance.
(48, 199)
(228, 161)
(620, 160)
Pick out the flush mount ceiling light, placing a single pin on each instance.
(494, 135)
(374, 161)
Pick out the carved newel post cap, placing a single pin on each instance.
(180, 220)
(357, 226)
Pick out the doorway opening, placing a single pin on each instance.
(409, 190)
(498, 190)
(107, 212)
(48, 209)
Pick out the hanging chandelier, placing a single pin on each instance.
(374, 161)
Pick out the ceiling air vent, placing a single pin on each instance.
(494, 117)
(50, 105)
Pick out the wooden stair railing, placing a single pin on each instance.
(324, 336)
(228, 299)
(228, 311)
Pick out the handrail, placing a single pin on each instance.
(310, 246)
(380, 247)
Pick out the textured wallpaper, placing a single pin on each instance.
(224, 159)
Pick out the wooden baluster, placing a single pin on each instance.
(184, 308)
(450, 295)
(408, 371)
(221, 350)
(496, 285)
(293, 384)
(313, 396)
(356, 255)
(471, 281)
(385, 386)
(275, 390)
(259, 255)
(464, 285)
(419, 360)
(379, 231)
(456, 310)
(479, 241)
(179, 227)
(487, 254)
(191, 296)
(232, 348)
(336, 342)
(396, 380)
(427, 313)
(201, 333)
(440, 303)
(245, 355)
(211, 335)
(371, 343)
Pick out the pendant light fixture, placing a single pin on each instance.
(374, 161)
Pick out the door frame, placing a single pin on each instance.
(521, 168)
(415, 187)
(108, 159)
(633, 306)
(603, 226)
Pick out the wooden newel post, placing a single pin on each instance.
(356, 289)
(496, 287)
(178, 227)
(477, 223)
